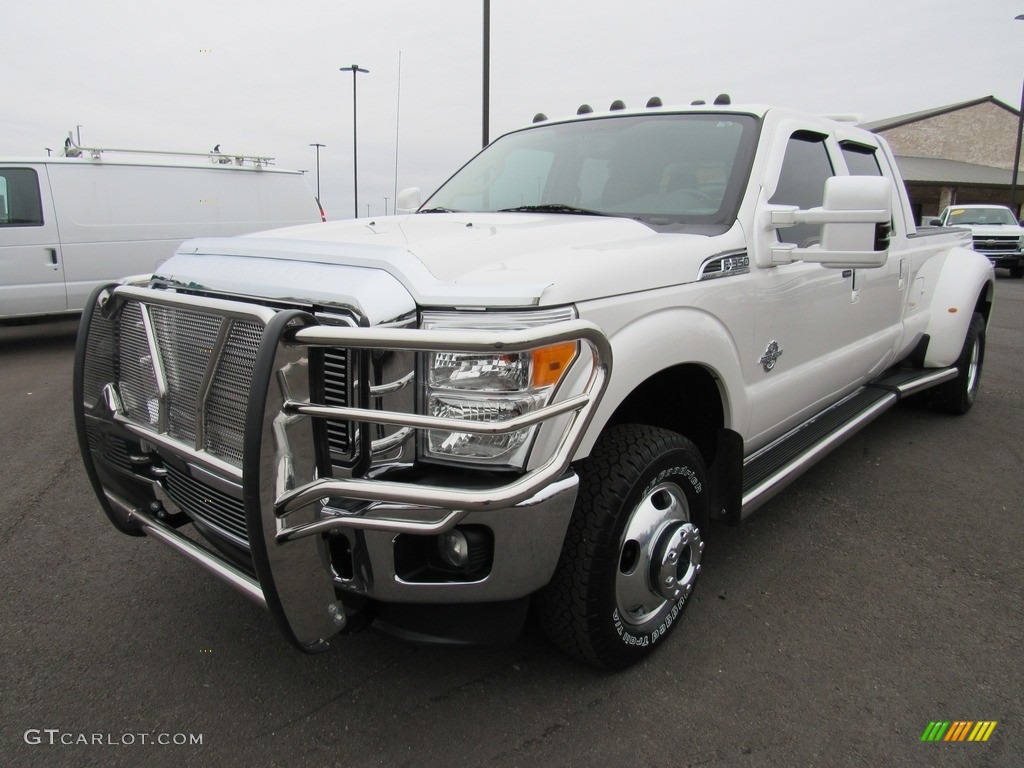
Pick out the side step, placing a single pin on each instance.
(775, 466)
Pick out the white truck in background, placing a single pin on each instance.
(600, 334)
(68, 224)
(995, 232)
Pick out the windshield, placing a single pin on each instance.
(967, 216)
(685, 170)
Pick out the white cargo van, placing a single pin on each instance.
(70, 223)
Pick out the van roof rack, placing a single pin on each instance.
(215, 155)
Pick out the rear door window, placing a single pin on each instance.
(860, 159)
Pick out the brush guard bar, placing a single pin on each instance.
(283, 496)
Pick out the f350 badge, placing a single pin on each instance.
(770, 356)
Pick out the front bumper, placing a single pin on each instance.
(272, 520)
(1005, 260)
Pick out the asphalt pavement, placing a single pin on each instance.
(880, 593)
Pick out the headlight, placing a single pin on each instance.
(490, 387)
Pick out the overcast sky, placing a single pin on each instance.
(262, 77)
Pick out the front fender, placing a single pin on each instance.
(966, 277)
(664, 339)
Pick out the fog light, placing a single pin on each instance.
(454, 548)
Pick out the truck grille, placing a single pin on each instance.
(337, 392)
(199, 501)
(207, 363)
(996, 243)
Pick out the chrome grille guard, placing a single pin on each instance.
(283, 496)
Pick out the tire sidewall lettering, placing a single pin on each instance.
(690, 483)
(648, 638)
(684, 471)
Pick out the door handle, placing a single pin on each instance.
(53, 257)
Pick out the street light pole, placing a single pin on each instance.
(1016, 152)
(356, 69)
(487, 71)
(318, 146)
(1016, 158)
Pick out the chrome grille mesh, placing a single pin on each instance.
(185, 341)
(99, 359)
(136, 376)
(229, 393)
(198, 500)
(207, 362)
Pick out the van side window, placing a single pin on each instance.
(19, 198)
(805, 168)
(860, 159)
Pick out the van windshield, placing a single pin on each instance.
(680, 171)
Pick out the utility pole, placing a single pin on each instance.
(487, 71)
(1016, 152)
(318, 147)
(356, 69)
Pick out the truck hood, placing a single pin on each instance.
(467, 259)
(985, 230)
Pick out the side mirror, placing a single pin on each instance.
(409, 200)
(855, 216)
(934, 222)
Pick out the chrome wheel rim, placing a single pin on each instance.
(659, 555)
(973, 369)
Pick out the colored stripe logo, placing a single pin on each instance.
(958, 730)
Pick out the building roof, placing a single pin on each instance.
(914, 117)
(938, 170)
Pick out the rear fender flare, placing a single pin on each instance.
(966, 277)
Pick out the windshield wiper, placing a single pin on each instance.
(438, 209)
(553, 208)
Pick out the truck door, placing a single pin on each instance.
(876, 294)
(816, 328)
(31, 264)
(796, 333)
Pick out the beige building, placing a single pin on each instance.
(961, 153)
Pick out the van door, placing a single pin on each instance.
(31, 263)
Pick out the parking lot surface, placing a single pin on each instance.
(881, 592)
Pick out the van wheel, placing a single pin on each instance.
(633, 551)
(957, 396)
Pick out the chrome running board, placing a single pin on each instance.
(775, 466)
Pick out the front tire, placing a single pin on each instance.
(957, 396)
(633, 551)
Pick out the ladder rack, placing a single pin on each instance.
(215, 156)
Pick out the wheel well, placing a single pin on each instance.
(685, 399)
(984, 304)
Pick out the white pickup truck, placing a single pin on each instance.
(600, 334)
(994, 232)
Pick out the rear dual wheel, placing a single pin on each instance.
(633, 551)
(957, 395)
